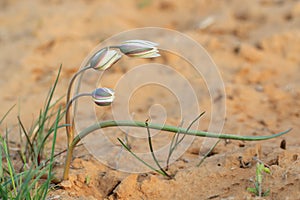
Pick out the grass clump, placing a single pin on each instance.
(33, 178)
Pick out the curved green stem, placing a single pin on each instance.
(70, 128)
(70, 125)
(73, 79)
(69, 117)
(152, 152)
(69, 104)
(70, 121)
(174, 129)
(70, 137)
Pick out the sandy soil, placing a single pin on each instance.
(255, 45)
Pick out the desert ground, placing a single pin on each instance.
(255, 46)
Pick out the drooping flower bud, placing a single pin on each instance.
(104, 59)
(103, 96)
(139, 48)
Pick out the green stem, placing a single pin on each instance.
(207, 153)
(73, 79)
(152, 152)
(70, 125)
(70, 137)
(69, 118)
(174, 129)
(138, 158)
(70, 128)
(68, 162)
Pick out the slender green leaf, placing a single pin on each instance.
(5, 115)
(138, 158)
(9, 163)
(52, 155)
(152, 152)
(207, 153)
(31, 152)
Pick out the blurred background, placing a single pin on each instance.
(254, 43)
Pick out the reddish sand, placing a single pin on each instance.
(255, 45)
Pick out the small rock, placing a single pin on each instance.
(206, 22)
(67, 184)
(78, 183)
(250, 53)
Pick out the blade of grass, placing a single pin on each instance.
(23, 160)
(171, 149)
(152, 152)
(41, 146)
(207, 153)
(189, 127)
(52, 155)
(50, 96)
(3, 193)
(44, 114)
(178, 141)
(32, 153)
(36, 127)
(36, 133)
(31, 177)
(59, 153)
(3, 190)
(5, 115)
(138, 158)
(53, 111)
(9, 163)
(1, 165)
(50, 131)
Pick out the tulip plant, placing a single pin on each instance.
(104, 59)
